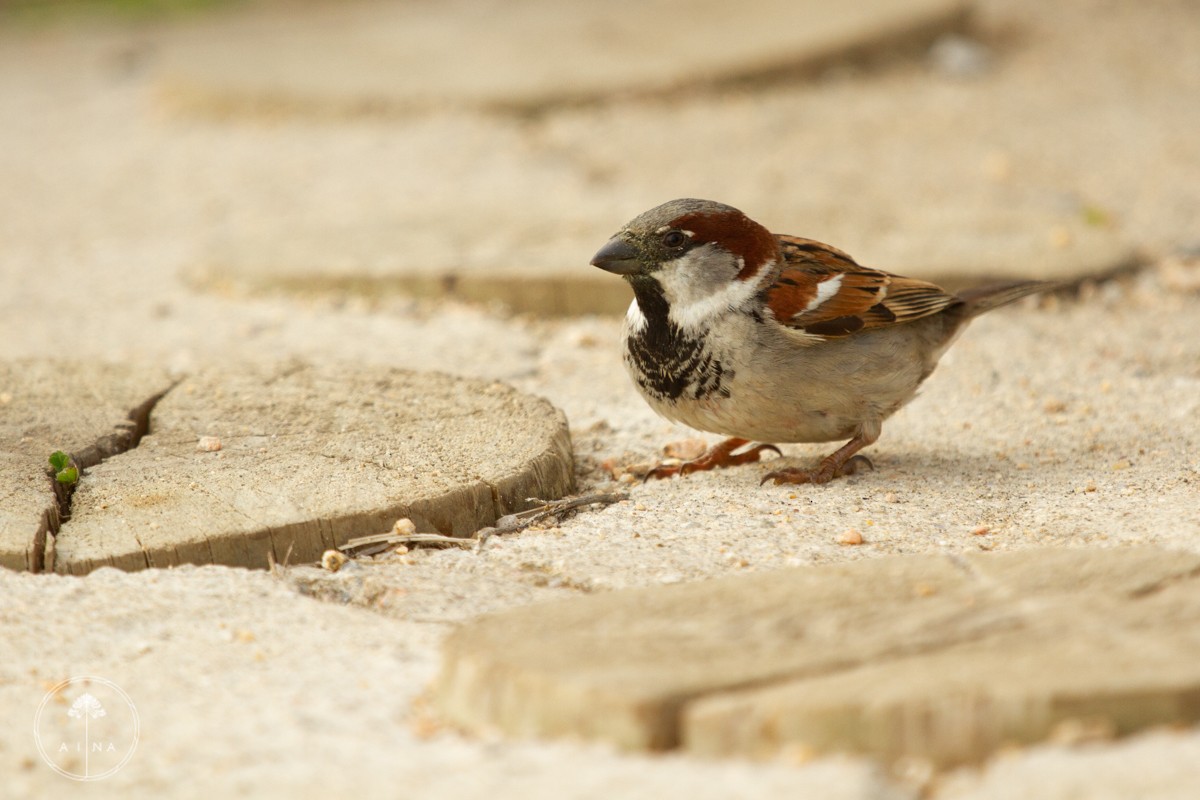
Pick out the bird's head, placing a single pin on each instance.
(698, 256)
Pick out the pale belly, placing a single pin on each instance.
(756, 416)
(784, 393)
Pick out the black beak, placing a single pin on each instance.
(618, 257)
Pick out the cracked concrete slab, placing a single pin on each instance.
(369, 57)
(1069, 425)
(91, 411)
(940, 658)
(477, 250)
(241, 466)
(329, 697)
(375, 257)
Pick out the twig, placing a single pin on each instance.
(510, 523)
(556, 509)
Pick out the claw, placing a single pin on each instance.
(662, 471)
(828, 470)
(720, 455)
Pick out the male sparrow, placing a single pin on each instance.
(772, 338)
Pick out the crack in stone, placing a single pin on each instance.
(1148, 589)
(674, 708)
(126, 436)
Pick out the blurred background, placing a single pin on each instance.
(165, 166)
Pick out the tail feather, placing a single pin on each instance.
(985, 298)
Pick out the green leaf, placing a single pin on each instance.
(1096, 216)
(68, 475)
(59, 460)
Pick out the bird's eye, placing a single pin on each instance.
(673, 238)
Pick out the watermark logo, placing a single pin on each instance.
(86, 728)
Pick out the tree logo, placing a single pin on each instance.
(86, 728)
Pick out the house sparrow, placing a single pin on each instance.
(772, 338)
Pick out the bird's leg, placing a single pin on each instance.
(843, 462)
(719, 455)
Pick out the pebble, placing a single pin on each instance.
(959, 57)
(333, 560)
(1060, 237)
(208, 444)
(850, 537)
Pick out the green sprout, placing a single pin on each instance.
(1096, 216)
(64, 470)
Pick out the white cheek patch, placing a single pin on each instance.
(825, 290)
(693, 299)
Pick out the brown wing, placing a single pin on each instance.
(824, 292)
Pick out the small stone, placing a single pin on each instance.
(333, 560)
(850, 537)
(914, 770)
(5, 398)
(686, 449)
(798, 753)
(1082, 731)
(404, 527)
(1054, 406)
(1180, 273)
(1060, 237)
(1090, 487)
(891, 497)
(208, 444)
(982, 530)
(959, 56)
(1120, 465)
(641, 469)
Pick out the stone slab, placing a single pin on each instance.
(524, 55)
(438, 215)
(944, 658)
(283, 689)
(378, 257)
(91, 411)
(308, 459)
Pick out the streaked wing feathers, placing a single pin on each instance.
(824, 292)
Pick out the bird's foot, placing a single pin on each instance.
(720, 455)
(827, 471)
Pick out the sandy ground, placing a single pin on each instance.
(1071, 424)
